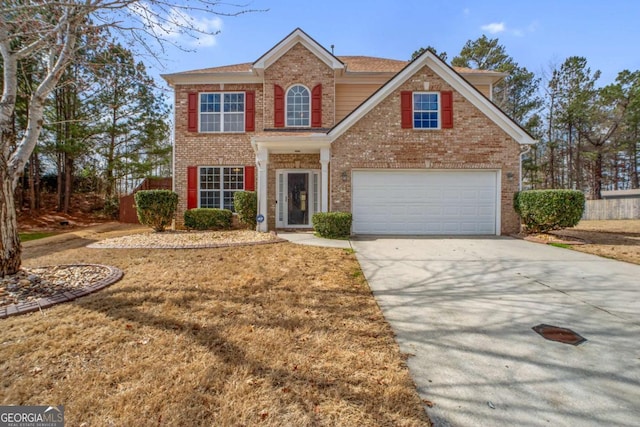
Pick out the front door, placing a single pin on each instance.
(297, 198)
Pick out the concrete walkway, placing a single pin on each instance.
(463, 310)
(308, 238)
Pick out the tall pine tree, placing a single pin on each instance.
(130, 119)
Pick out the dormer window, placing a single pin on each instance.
(298, 106)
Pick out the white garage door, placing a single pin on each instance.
(424, 202)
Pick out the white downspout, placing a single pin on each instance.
(325, 156)
(262, 162)
(526, 150)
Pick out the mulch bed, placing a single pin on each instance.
(548, 238)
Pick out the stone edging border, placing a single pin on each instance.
(112, 277)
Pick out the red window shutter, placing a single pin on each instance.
(406, 109)
(192, 112)
(249, 111)
(192, 187)
(278, 108)
(249, 178)
(316, 106)
(446, 106)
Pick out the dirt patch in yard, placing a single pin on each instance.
(611, 239)
(276, 334)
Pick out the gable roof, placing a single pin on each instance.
(353, 64)
(455, 80)
(295, 37)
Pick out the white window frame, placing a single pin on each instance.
(438, 111)
(222, 113)
(286, 107)
(224, 186)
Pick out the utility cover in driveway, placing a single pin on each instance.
(555, 333)
(418, 202)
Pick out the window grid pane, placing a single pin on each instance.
(233, 178)
(234, 122)
(228, 200)
(222, 112)
(218, 186)
(298, 106)
(425, 110)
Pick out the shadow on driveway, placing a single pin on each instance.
(464, 308)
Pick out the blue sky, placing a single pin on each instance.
(536, 34)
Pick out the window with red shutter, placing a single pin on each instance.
(427, 110)
(446, 107)
(406, 109)
(316, 106)
(250, 111)
(278, 107)
(192, 187)
(249, 178)
(192, 112)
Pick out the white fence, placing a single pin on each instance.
(612, 209)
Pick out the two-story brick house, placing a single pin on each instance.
(407, 147)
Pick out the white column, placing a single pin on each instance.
(262, 162)
(325, 156)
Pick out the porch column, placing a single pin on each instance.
(262, 162)
(325, 156)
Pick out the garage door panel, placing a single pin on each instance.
(424, 202)
(469, 210)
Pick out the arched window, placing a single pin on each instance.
(298, 106)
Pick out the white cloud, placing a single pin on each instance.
(501, 27)
(494, 27)
(466, 11)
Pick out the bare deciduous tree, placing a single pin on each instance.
(52, 32)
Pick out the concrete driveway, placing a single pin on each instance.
(464, 308)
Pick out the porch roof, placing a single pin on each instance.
(291, 143)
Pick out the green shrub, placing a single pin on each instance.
(208, 219)
(544, 210)
(332, 225)
(246, 205)
(156, 208)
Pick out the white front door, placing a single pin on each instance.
(297, 196)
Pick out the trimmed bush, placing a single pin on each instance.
(246, 205)
(332, 225)
(156, 208)
(544, 210)
(208, 219)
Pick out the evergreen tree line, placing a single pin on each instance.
(588, 134)
(106, 127)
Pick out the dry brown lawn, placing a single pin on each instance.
(271, 335)
(612, 239)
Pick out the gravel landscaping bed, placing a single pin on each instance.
(186, 240)
(30, 284)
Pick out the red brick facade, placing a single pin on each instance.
(474, 142)
(299, 66)
(375, 141)
(208, 149)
